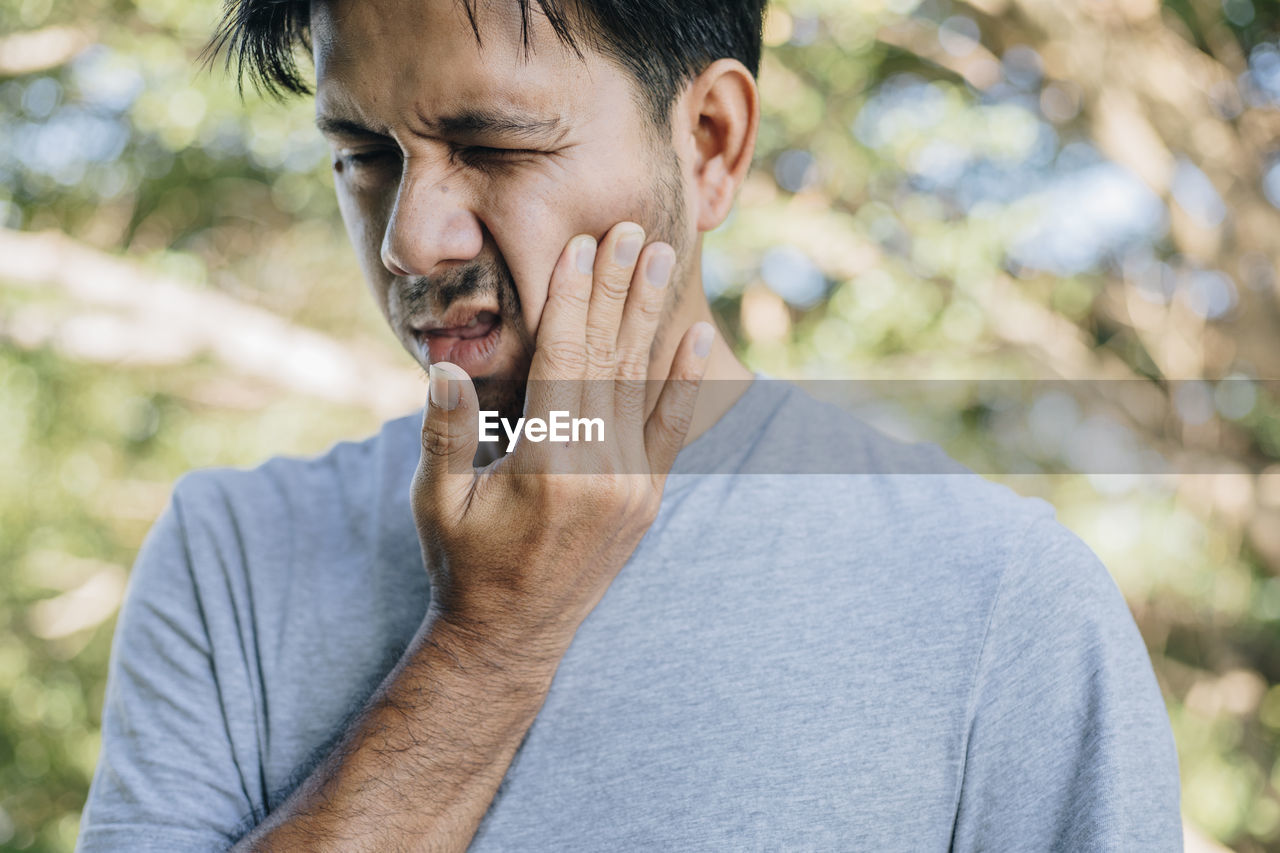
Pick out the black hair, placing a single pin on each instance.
(662, 43)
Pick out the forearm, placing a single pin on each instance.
(522, 546)
(420, 765)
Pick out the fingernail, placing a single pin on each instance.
(586, 255)
(702, 342)
(659, 270)
(627, 249)
(443, 394)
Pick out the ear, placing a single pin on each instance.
(721, 110)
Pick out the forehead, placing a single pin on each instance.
(389, 57)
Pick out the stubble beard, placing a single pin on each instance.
(664, 214)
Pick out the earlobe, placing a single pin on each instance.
(724, 113)
(717, 194)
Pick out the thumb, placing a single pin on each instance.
(449, 440)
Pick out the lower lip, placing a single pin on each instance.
(474, 355)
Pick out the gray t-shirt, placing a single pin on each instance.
(897, 659)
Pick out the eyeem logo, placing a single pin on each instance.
(560, 427)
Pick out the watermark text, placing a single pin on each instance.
(557, 427)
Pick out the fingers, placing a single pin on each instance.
(642, 314)
(560, 354)
(443, 482)
(615, 264)
(614, 268)
(665, 431)
(604, 305)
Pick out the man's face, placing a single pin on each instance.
(462, 170)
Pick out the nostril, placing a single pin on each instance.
(389, 261)
(421, 233)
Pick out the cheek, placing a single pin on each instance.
(365, 228)
(525, 232)
(532, 226)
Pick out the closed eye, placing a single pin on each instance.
(349, 158)
(480, 156)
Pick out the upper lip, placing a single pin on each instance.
(458, 316)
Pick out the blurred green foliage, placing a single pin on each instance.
(1005, 188)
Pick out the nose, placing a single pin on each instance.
(429, 224)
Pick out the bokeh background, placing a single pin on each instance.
(1031, 189)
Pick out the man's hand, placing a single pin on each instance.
(521, 551)
(518, 557)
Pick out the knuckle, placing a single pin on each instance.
(647, 506)
(615, 283)
(674, 419)
(633, 363)
(611, 489)
(629, 388)
(436, 440)
(572, 296)
(566, 358)
(647, 311)
(558, 489)
(639, 503)
(600, 348)
(636, 492)
(629, 404)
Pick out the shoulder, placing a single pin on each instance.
(1052, 562)
(1058, 603)
(974, 596)
(932, 524)
(347, 475)
(822, 425)
(832, 462)
(1065, 708)
(294, 547)
(289, 521)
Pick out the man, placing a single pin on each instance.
(390, 647)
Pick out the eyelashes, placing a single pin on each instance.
(356, 163)
(481, 158)
(357, 158)
(477, 153)
(490, 160)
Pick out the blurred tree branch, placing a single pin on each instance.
(152, 319)
(1145, 90)
(41, 50)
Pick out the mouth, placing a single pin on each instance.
(467, 337)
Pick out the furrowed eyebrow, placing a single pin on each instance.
(475, 122)
(468, 123)
(331, 126)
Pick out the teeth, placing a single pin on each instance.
(473, 321)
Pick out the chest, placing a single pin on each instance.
(724, 694)
(697, 711)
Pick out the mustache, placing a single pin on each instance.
(482, 277)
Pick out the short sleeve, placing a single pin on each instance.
(167, 778)
(1069, 744)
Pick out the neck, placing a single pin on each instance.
(725, 380)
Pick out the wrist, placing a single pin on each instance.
(498, 645)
